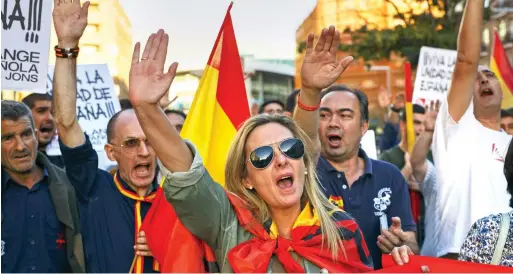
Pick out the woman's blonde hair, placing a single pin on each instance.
(236, 171)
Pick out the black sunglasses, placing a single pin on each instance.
(262, 156)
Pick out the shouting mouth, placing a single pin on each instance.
(486, 92)
(46, 129)
(142, 169)
(285, 181)
(334, 140)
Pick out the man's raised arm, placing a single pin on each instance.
(148, 83)
(319, 70)
(469, 49)
(70, 21)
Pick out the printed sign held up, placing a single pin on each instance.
(25, 44)
(434, 74)
(96, 103)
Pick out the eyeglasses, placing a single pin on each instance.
(262, 156)
(132, 144)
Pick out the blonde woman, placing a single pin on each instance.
(274, 217)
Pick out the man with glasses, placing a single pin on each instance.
(111, 208)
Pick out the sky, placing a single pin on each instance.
(263, 28)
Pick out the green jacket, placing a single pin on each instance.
(66, 209)
(203, 207)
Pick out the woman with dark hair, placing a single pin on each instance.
(490, 240)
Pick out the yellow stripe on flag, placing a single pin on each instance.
(410, 131)
(210, 129)
(220, 104)
(139, 263)
(507, 99)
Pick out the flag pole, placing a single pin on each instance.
(410, 133)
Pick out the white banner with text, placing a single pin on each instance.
(97, 102)
(25, 44)
(434, 74)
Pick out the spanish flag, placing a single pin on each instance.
(500, 65)
(415, 197)
(220, 104)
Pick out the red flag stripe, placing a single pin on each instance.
(407, 82)
(501, 59)
(231, 90)
(213, 60)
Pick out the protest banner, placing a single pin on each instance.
(438, 265)
(97, 102)
(434, 74)
(25, 44)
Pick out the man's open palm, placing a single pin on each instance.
(148, 83)
(320, 67)
(70, 20)
(431, 114)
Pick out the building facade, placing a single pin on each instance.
(351, 15)
(266, 79)
(502, 22)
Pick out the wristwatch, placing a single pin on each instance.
(394, 109)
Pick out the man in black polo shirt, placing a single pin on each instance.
(373, 192)
(40, 222)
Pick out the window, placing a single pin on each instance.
(94, 7)
(89, 49)
(92, 29)
(511, 27)
(502, 29)
(486, 37)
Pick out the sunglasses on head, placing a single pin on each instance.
(262, 156)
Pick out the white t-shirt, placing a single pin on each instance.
(469, 159)
(429, 189)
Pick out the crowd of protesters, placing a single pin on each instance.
(301, 195)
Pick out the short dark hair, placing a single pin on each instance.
(506, 113)
(31, 99)
(13, 111)
(290, 103)
(508, 168)
(177, 112)
(268, 102)
(360, 95)
(416, 109)
(125, 104)
(112, 123)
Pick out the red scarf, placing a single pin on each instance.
(138, 263)
(255, 255)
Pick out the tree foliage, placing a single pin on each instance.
(416, 30)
